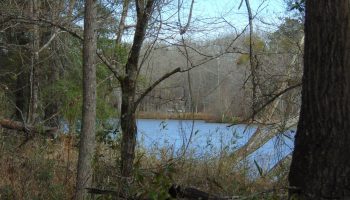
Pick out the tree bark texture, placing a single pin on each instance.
(87, 138)
(320, 166)
(128, 85)
(129, 130)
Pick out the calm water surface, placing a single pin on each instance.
(209, 139)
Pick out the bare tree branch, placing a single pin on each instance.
(270, 101)
(109, 65)
(49, 41)
(150, 88)
(122, 26)
(184, 29)
(72, 32)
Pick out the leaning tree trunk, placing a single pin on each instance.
(87, 138)
(320, 167)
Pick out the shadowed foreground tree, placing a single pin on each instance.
(320, 167)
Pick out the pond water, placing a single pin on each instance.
(209, 139)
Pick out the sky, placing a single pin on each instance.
(217, 18)
(268, 14)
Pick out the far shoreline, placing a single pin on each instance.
(210, 118)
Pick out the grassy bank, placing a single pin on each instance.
(46, 169)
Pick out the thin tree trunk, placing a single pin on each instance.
(128, 85)
(87, 139)
(252, 59)
(34, 71)
(320, 166)
(118, 40)
(121, 26)
(20, 99)
(52, 106)
(52, 109)
(129, 130)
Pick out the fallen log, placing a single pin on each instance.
(27, 128)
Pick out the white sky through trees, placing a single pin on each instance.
(217, 18)
(268, 13)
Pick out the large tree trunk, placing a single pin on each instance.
(87, 138)
(320, 166)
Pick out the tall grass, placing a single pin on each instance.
(36, 168)
(45, 169)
